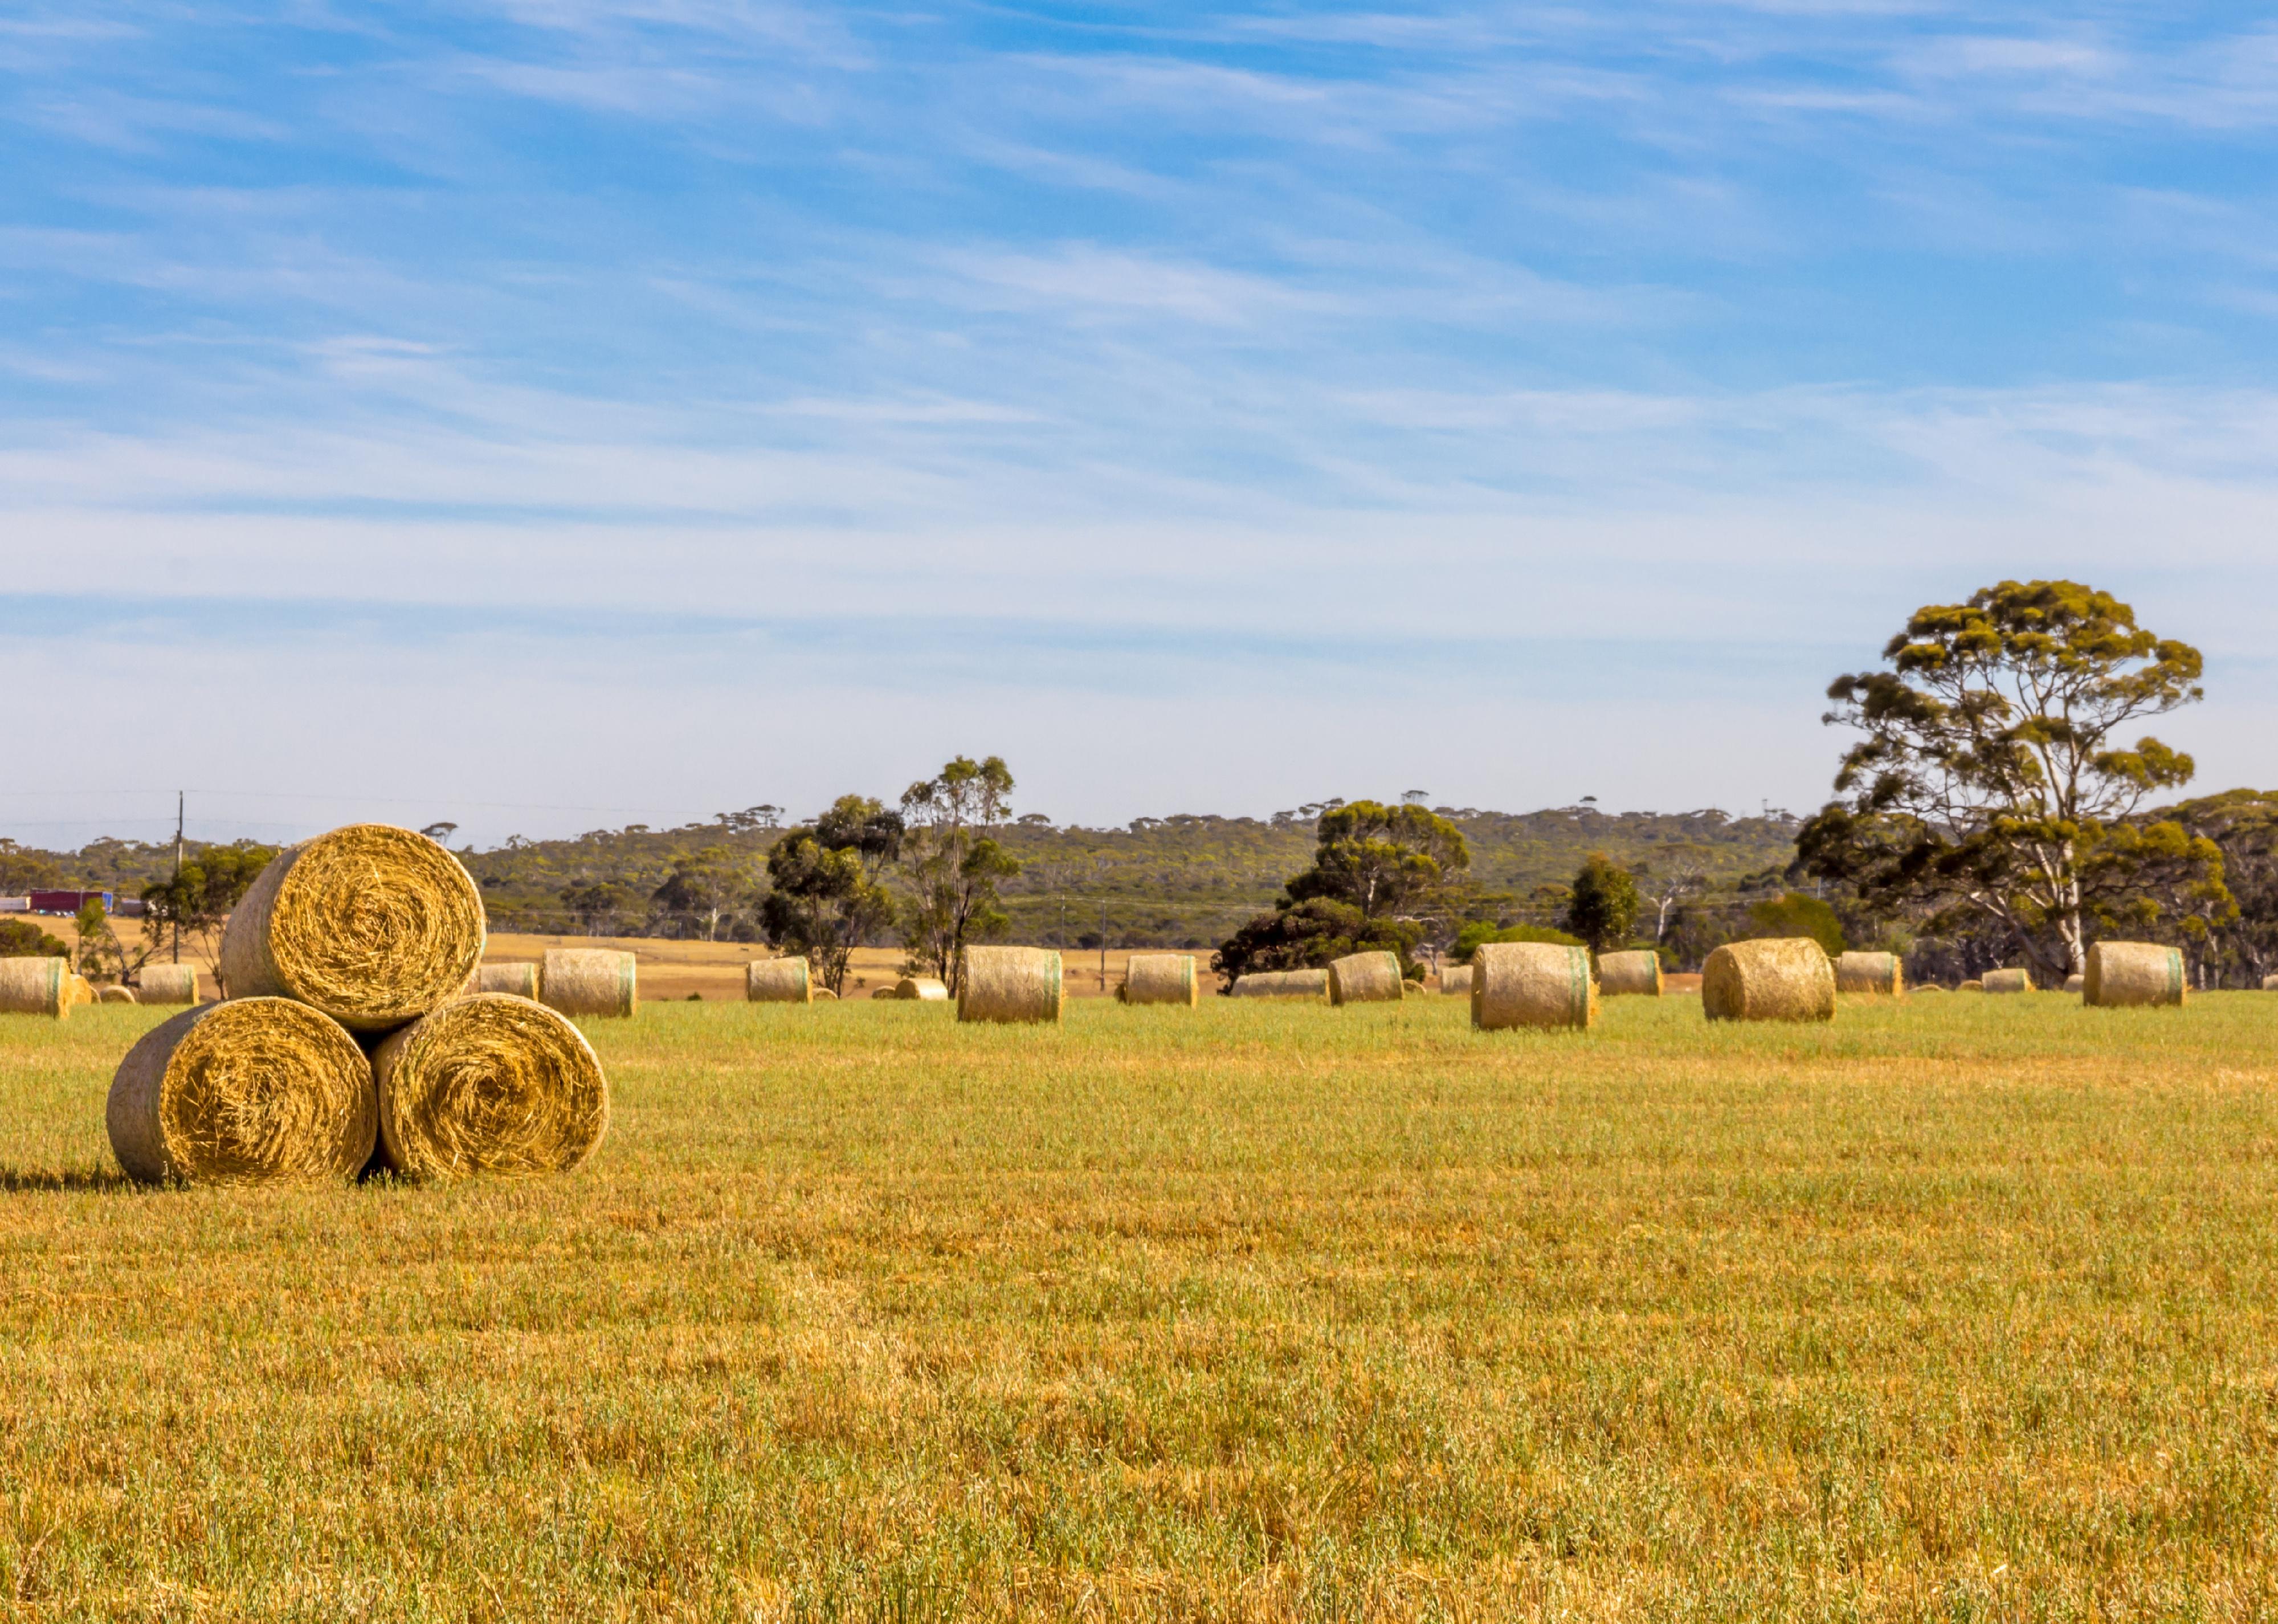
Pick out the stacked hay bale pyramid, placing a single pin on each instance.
(349, 1038)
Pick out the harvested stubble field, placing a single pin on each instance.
(1962, 1308)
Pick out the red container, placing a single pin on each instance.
(67, 901)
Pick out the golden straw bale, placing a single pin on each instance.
(923, 989)
(2076, 983)
(1784, 979)
(826, 993)
(1531, 983)
(1364, 978)
(1926, 987)
(1456, 981)
(590, 981)
(114, 995)
(518, 978)
(1972, 986)
(249, 1092)
(167, 984)
(2134, 976)
(779, 981)
(491, 1084)
(81, 991)
(1010, 985)
(1881, 973)
(885, 992)
(374, 925)
(1281, 983)
(1161, 978)
(2270, 983)
(1637, 974)
(36, 986)
(2007, 981)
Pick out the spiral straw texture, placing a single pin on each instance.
(489, 1084)
(1161, 978)
(35, 986)
(253, 1091)
(590, 981)
(1785, 979)
(1531, 983)
(779, 981)
(372, 924)
(167, 984)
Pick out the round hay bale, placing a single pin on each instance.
(253, 1091)
(1972, 986)
(2076, 983)
(590, 981)
(518, 979)
(1531, 983)
(1282, 983)
(2007, 981)
(491, 1084)
(81, 991)
(114, 995)
(372, 924)
(1629, 974)
(35, 986)
(885, 993)
(1784, 978)
(2270, 983)
(167, 984)
(1926, 987)
(2134, 976)
(1883, 974)
(923, 989)
(1364, 978)
(779, 981)
(1161, 978)
(1010, 985)
(1456, 981)
(825, 994)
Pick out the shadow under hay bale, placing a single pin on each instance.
(2134, 976)
(489, 1084)
(590, 981)
(789, 980)
(1364, 978)
(1784, 978)
(372, 924)
(1161, 979)
(253, 1091)
(1011, 984)
(1532, 984)
(1632, 975)
(1883, 974)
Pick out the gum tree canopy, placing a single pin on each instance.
(1992, 785)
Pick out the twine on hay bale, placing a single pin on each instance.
(167, 984)
(920, 989)
(779, 981)
(372, 924)
(1883, 974)
(590, 981)
(1784, 978)
(2007, 981)
(1364, 978)
(1629, 974)
(2134, 976)
(518, 979)
(115, 995)
(35, 986)
(1456, 981)
(1161, 978)
(1282, 983)
(1531, 983)
(1010, 985)
(490, 1083)
(253, 1091)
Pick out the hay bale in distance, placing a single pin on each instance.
(825, 994)
(2007, 981)
(1281, 983)
(1783, 978)
(1456, 981)
(1629, 974)
(1883, 974)
(1531, 983)
(1364, 978)
(372, 924)
(2076, 983)
(2270, 983)
(167, 984)
(114, 995)
(590, 981)
(1928, 987)
(921, 989)
(885, 993)
(1972, 986)
(35, 986)
(1010, 985)
(253, 1091)
(518, 979)
(1161, 978)
(2134, 976)
(779, 981)
(489, 1084)
(82, 990)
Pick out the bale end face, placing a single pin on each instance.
(1784, 978)
(1533, 983)
(2134, 976)
(489, 1084)
(1366, 978)
(1013, 985)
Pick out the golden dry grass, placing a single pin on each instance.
(1962, 1309)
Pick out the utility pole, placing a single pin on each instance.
(177, 876)
(1103, 944)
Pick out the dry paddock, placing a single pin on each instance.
(1964, 1308)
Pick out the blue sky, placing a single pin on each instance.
(545, 414)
